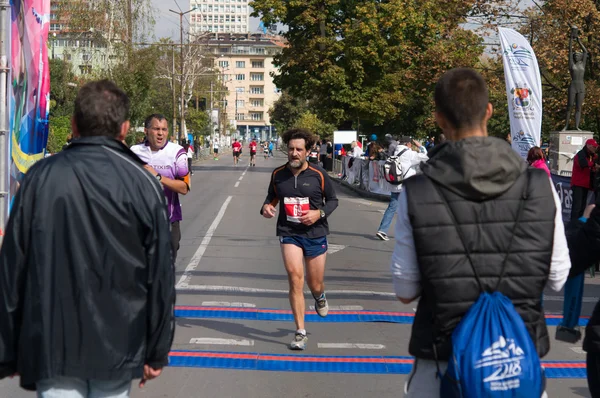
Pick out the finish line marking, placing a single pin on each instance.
(237, 289)
(347, 346)
(202, 249)
(334, 316)
(211, 341)
(333, 364)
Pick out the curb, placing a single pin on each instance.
(360, 191)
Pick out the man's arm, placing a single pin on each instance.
(582, 159)
(405, 269)
(271, 200)
(560, 263)
(331, 200)
(12, 279)
(161, 289)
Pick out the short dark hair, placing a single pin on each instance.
(299, 134)
(461, 96)
(101, 108)
(157, 116)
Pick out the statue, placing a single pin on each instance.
(577, 63)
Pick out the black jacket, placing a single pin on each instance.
(584, 250)
(312, 183)
(483, 181)
(86, 276)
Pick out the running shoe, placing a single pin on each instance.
(299, 342)
(382, 235)
(321, 306)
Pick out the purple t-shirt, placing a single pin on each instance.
(171, 162)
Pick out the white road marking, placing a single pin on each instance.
(211, 341)
(562, 298)
(241, 178)
(237, 184)
(183, 282)
(244, 173)
(578, 350)
(341, 308)
(335, 248)
(237, 289)
(351, 346)
(227, 304)
(381, 211)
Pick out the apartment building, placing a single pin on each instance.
(86, 50)
(219, 16)
(245, 62)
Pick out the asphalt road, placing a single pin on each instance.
(234, 325)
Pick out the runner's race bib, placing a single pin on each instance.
(295, 208)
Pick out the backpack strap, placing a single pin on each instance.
(463, 240)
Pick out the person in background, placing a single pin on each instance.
(535, 158)
(356, 150)
(410, 161)
(584, 168)
(189, 150)
(392, 144)
(377, 152)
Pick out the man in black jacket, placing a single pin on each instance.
(584, 248)
(86, 276)
(473, 184)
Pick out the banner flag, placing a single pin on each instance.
(29, 92)
(523, 89)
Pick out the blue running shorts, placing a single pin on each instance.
(310, 247)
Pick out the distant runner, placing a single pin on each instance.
(306, 196)
(253, 147)
(237, 151)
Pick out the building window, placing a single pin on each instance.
(240, 116)
(240, 89)
(240, 103)
(240, 76)
(257, 102)
(256, 116)
(85, 69)
(257, 77)
(257, 90)
(223, 64)
(258, 64)
(240, 64)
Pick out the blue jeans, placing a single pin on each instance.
(388, 216)
(69, 387)
(573, 301)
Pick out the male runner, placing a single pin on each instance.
(237, 151)
(167, 161)
(253, 146)
(307, 198)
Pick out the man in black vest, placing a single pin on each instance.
(483, 181)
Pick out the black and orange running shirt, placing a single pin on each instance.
(311, 189)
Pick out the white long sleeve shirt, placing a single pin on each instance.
(405, 268)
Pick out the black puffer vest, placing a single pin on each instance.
(448, 282)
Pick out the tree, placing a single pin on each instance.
(372, 61)
(60, 128)
(311, 122)
(198, 122)
(286, 111)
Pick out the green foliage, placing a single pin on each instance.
(60, 128)
(197, 122)
(311, 122)
(286, 111)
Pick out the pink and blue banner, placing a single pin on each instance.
(29, 91)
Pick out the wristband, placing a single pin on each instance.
(583, 219)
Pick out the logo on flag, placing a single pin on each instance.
(521, 97)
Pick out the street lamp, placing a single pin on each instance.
(181, 114)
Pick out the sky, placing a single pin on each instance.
(167, 23)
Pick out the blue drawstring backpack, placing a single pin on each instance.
(493, 355)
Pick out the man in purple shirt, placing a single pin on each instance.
(166, 161)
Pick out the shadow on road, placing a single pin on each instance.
(237, 329)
